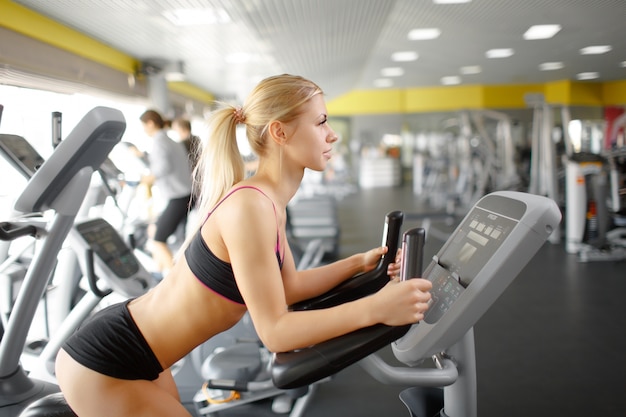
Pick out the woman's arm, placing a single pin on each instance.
(309, 283)
(250, 239)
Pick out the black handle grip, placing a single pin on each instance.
(306, 366)
(366, 283)
(10, 231)
(92, 279)
(413, 248)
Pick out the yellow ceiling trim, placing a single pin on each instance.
(191, 91)
(29, 23)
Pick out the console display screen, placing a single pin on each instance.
(474, 243)
(109, 246)
(21, 154)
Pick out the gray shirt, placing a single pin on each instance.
(170, 166)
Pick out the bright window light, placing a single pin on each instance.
(587, 76)
(542, 31)
(499, 53)
(622, 64)
(392, 72)
(383, 82)
(594, 50)
(424, 34)
(404, 56)
(551, 66)
(451, 80)
(471, 69)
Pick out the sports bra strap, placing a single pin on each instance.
(278, 247)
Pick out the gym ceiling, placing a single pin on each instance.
(224, 47)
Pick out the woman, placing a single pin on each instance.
(118, 363)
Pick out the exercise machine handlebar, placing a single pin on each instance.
(365, 283)
(306, 366)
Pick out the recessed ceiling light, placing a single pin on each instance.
(451, 80)
(238, 58)
(189, 17)
(551, 66)
(392, 72)
(598, 49)
(471, 69)
(451, 1)
(423, 34)
(404, 56)
(587, 76)
(499, 53)
(542, 31)
(383, 82)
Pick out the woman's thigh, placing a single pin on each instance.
(91, 394)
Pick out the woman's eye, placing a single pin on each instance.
(323, 121)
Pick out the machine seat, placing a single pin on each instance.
(52, 405)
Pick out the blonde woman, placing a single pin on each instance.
(238, 260)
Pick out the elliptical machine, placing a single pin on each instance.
(60, 185)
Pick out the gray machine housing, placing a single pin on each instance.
(499, 236)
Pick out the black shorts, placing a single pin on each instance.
(174, 213)
(111, 343)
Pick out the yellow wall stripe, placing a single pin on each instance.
(450, 98)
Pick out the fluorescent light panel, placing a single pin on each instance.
(551, 66)
(595, 50)
(423, 34)
(190, 17)
(392, 72)
(471, 69)
(499, 53)
(404, 56)
(383, 82)
(587, 76)
(542, 31)
(451, 80)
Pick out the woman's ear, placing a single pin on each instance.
(277, 132)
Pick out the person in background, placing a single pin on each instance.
(192, 143)
(238, 260)
(170, 173)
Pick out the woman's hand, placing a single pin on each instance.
(402, 302)
(372, 257)
(393, 270)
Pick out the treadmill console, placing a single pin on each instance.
(474, 242)
(21, 154)
(488, 249)
(114, 260)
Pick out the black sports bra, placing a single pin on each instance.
(215, 273)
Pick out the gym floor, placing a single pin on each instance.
(553, 344)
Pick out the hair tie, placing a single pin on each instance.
(238, 115)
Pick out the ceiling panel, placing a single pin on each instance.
(344, 44)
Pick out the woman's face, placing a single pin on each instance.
(309, 137)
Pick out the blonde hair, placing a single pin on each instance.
(220, 166)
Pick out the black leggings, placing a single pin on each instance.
(175, 213)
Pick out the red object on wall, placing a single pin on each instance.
(611, 113)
